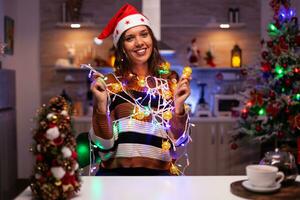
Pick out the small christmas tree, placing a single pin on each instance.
(272, 109)
(55, 174)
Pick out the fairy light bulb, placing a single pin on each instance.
(167, 94)
(187, 72)
(141, 82)
(138, 114)
(174, 170)
(167, 115)
(116, 87)
(165, 145)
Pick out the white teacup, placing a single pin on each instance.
(263, 175)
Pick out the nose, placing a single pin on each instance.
(139, 42)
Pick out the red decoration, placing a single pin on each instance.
(58, 141)
(270, 44)
(276, 50)
(74, 154)
(256, 98)
(233, 146)
(258, 128)
(297, 40)
(272, 110)
(264, 55)
(244, 115)
(266, 67)
(39, 158)
(280, 134)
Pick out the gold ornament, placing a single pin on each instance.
(165, 145)
(54, 119)
(57, 183)
(167, 94)
(141, 82)
(174, 170)
(167, 115)
(187, 72)
(166, 66)
(139, 115)
(116, 87)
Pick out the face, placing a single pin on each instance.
(138, 44)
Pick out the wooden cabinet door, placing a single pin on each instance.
(202, 151)
(223, 148)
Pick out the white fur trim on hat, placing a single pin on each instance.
(127, 23)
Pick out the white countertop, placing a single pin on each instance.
(153, 188)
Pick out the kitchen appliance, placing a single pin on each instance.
(224, 104)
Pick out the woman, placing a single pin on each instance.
(139, 116)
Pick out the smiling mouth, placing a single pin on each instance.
(140, 52)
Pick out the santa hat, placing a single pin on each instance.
(126, 18)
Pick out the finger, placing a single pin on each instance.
(183, 82)
(97, 75)
(98, 85)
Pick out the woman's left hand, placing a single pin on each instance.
(182, 92)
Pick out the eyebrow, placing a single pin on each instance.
(142, 31)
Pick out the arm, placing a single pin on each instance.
(101, 132)
(180, 116)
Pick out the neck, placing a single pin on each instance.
(141, 70)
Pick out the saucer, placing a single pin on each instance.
(253, 188)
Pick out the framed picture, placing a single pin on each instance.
(9, 35)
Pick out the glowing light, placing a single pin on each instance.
(279, 70)
(166, 145)
(297, 96)
(224, 26)
(262, 111)
(75, 25)
(236, 61)
(187, 72)
(167, 115)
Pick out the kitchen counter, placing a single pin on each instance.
(150, 188)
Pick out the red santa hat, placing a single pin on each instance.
(126, 18)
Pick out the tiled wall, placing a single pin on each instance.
(181, 21)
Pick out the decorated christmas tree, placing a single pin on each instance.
(272, 106)
(55, 174)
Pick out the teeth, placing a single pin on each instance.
(141, 51)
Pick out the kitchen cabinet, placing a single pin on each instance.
(210, 152)
(8, 146)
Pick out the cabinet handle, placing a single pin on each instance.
(222, 134)
(213, 134)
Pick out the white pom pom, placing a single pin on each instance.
(49, 116)
(64, 113)
(98, 41)
(66, 152)
(58, 172)
(38, 148)
(52, 133)
(76, 166)
(37, 176)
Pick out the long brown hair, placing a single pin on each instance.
(122, 63)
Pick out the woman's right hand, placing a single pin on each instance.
(98, 88)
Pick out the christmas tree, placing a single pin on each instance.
(55, 174)
(272, 109)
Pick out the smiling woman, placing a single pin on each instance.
(139, 120)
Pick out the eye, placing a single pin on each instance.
(129, 38)
(144, 34)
